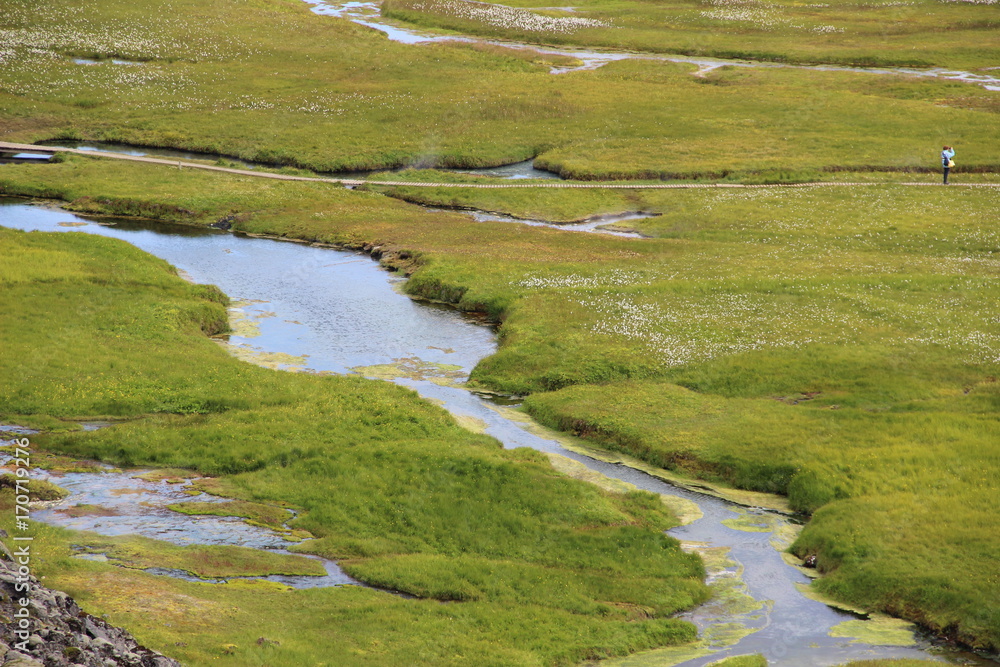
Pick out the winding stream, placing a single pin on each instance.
(337, 311)
(133, 505)
(369, 14)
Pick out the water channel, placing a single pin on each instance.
(515, 171)
(320, 309)
(369, 14)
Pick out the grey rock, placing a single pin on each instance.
(16, 659)
(93, 629)
(102, 645)
(63, 634)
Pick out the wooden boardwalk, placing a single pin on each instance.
(7, 147)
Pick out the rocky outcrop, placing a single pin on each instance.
(58, 632)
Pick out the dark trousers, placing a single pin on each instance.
(946, 170)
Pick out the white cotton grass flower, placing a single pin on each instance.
(615, 277)
(508, 18)
(760, 15)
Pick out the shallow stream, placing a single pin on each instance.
(313, 308)
(516, 171)
(369, 14)
(129, 504)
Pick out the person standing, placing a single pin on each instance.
(947, 153)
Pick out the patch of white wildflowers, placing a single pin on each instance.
(507, 18)
(760, 15)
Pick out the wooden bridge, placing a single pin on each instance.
(8, 149)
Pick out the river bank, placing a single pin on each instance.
(541, 555)
(274, 341)
(541, 281)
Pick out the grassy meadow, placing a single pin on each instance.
(742, 661)
(272, 82)
(839, 345)
(539, 568)
(835, 344)
(913, 33)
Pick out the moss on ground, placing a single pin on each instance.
(267, 515)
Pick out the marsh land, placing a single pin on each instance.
(835, 345)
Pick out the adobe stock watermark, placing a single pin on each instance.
(21, 551)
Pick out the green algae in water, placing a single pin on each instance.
(86, 509)
(577, 470)
(879, 630)
(721, 635)
(259, 513)
(664, 657)
(785, 534)
(471, 423)
(796, 562)
(808, 591)
(413, 368)
(273, 360)
(242, 324)
(730, 595)
(685, 510)
(749, 521)
(169, 475)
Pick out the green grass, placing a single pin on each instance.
(38, 490)
(836, 345)
(916, 34)
(267, 515)
(269, 81)
(755, 660)
(554, 570)
(833, 344)
(265, 624)
(206, 561)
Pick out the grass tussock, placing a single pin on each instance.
(205, 561)
(384, 479)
